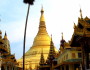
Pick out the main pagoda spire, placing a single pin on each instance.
(42, 15)
(42, 35)
(42, 26)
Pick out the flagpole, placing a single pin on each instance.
(25, 37)
(29, 2)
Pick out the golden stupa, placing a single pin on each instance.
(41, 41)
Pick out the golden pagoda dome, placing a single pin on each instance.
(41, 41)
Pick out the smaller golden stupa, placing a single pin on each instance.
(41, 41)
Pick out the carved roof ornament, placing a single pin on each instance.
(62, 41)
(5, 36)
(86, 18)
(62, 35)
(81, 14)
(74, 25)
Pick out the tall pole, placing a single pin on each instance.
(25, 37)
(29, 2)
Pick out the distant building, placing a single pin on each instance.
(68, 58)
(7, 60)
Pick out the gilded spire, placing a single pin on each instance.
(5, 36)
(42, 26)
(62, 35)
(74, 25)
(42, 60)
(52, 50)
(52, 53)
(42, 15)
(62, 41)
(81, 13)
(51, 43)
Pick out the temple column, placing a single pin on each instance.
(64, 67)
(87, 50)
(87, 60)
(12, 67)
(0, 65)
(83, 60)
(60, 68)
(67, 67)
(71, 67)
(16, 68)
(85, 53)
(80, 66)
(6, 67)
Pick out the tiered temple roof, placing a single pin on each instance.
(5, 54)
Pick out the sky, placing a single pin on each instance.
(60, 16)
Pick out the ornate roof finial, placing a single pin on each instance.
(51, 37)
(0, 32)
(5, 36)
(42, 10)
(62, 41)
(51, 43)
(81, 13)
(74, 25)
(5, 33)
(62, 35)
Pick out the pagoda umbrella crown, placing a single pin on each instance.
(28, 1)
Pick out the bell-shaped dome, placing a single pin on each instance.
(41, 41)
